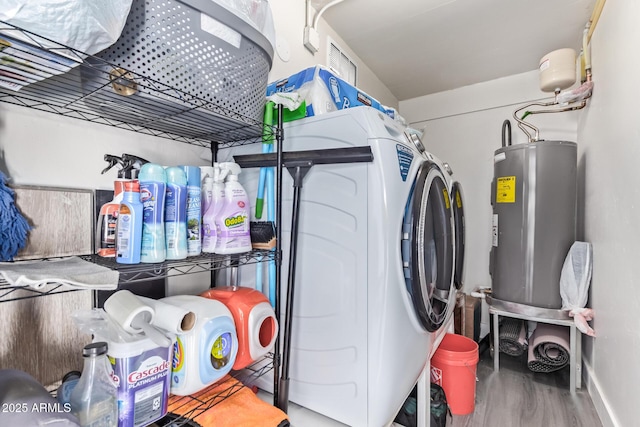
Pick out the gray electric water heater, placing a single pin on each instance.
(534, 220)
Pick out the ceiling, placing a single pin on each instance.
(419, 47)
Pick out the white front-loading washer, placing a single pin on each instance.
(446, 324)
(374, 267)
(457, 203)
(457, 206)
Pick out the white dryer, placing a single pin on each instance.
(374, 269)
(457, 204)
(445, 323)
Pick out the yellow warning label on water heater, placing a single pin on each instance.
(446, 198)
(506, 189)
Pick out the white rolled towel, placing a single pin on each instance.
(128, 310)
(169, 317)
(134, 316)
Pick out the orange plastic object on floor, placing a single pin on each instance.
(453, 367)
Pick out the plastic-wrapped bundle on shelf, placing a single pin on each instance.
(88, 27)
(256, 12)
(324, 92)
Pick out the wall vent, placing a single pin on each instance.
(341, 64)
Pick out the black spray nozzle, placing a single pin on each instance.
(132, 165)
(113, 160)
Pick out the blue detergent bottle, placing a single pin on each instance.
(194, 211)
(129, 225)
(175, 215)
(153, 181)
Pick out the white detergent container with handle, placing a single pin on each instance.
(232, 222)
(208, 351)
(141, 371)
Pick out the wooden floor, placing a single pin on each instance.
(517, 397)
(512, 397)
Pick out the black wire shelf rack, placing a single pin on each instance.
(44, 75)
(141, 272)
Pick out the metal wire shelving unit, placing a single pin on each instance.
(190, 407)
(51, 78)
(41, 74)
(141, 272)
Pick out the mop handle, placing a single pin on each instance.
(267, 145)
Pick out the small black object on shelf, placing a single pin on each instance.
(263, 234)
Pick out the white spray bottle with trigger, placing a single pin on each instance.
(232, 221)
(206, 175)
(209, 232)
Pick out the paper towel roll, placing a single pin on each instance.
(123, 307)
(169, 317)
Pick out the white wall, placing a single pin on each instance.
(289, 17)
(463, 127)
(609, 158)
(47, 149)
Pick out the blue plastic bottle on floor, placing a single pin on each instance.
(129, 225)
(152, 195)
(175, 213)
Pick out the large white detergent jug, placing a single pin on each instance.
(208, 351)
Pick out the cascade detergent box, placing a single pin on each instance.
(325, 92)
(142, 373)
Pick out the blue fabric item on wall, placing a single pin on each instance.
(14, 228)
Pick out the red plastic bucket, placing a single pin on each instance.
(453, 367)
